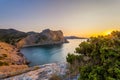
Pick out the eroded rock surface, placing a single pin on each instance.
(47, 36)
(43, 73)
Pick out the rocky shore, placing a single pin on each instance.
(44, 72)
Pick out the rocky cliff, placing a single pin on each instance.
(47, 36)
(22, 39)
(11, 59)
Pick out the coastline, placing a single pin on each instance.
(57, 43)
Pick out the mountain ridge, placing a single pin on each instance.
(20, 39)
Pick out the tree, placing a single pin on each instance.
(99, 58)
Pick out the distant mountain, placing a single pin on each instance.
(74, 37)
(32, 32)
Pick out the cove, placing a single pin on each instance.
(39, 55)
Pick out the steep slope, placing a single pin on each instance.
(10, 59)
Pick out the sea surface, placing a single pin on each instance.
(39, 55)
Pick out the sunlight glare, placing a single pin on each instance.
(108, 32)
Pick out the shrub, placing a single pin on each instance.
(99, 58)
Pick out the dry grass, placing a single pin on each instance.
(11, 68)
(10, 62)
(55, 77)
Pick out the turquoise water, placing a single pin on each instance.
(50, 53)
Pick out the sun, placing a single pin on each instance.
(108, 32)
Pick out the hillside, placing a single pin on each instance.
(11, 60)
(11, 36)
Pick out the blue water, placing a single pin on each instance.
(50, 53)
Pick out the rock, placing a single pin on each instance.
(47, 36)
(43, 73)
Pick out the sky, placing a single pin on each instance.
(74, 17)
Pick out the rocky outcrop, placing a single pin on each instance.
(45, 37)
(22, 39)
(44, 72)
(10, 57)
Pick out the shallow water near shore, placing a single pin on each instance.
(39, 55)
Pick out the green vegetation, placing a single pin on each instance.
(98, 58)
(11, 39)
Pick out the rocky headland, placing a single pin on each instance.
(46, 37)
(21, 39)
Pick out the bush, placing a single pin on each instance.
(99, 58)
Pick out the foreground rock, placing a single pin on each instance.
(11, 60)
(44, 38)
(43, 73)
